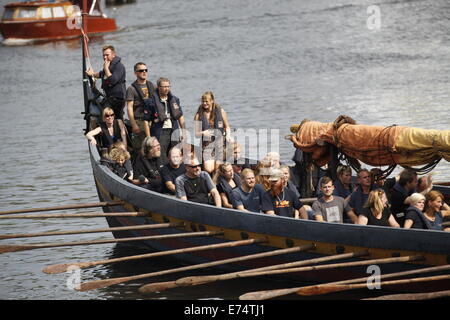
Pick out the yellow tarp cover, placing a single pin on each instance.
(421, 146)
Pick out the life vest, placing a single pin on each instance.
(218, 121)
(159, 115)
(139, 110)
(106, 140)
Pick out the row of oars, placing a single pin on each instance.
(285, 268)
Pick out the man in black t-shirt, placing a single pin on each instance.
(397, 195)
(280, 200)
(172, 170)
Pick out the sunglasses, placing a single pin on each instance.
(194, 166)
(109, 115)
(142, 70)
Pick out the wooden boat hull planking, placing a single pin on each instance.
(329, 239)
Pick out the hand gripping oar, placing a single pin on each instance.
(59, 268)
(269, 294)
(108, 282)
(70, 206)
(83, 231)
(13, 248)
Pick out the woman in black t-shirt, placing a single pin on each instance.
(376, 212)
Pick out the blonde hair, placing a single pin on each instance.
(118, 153)
(110, 47)
(262, 173)
(245, 172)
(415, 198)
(107, 110)
(214, 105)
(432, 196)
(374, 200)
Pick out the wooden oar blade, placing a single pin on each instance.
(97, 284)
(57, 268)
(157, 287)
(323, 289)
(13, 248)
(60, 268)
(414, 296)
(196, 280)
(265, 295)
(329, 288)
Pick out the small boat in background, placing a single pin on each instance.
(52, 20)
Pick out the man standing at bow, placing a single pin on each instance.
(113, 80)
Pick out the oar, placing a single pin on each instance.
(325, 288)
(78, 215)
(70, 206)
(160, 286)
(108, 282)
(345, 287)
(414, 296)
(197, 280)
(59, 268)
(13, 248)
(269, 294)
(57, 233)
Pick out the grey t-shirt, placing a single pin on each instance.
(332, 211)
(180, 181)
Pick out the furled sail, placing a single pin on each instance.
(373, 145)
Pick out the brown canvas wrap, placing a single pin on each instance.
(374, 145)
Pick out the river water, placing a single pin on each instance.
(270, 64)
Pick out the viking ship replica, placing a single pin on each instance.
(249, 244)
(240, 244)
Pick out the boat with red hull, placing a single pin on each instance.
(52, 20)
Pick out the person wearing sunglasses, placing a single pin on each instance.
(109, 132)
(196, 185)
(113, 80)
(138, 94)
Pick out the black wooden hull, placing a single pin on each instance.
(279, 232)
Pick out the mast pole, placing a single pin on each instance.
(85, 54)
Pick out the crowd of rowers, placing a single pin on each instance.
(146, 154)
